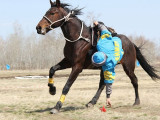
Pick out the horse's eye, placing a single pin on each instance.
(52, 13)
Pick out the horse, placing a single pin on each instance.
(78, 50)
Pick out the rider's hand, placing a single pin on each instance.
(96, 23)
(108, 102)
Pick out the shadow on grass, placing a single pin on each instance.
(128, 107)
(40, 111)
(64, 109)
(125, 106)
(71, 108)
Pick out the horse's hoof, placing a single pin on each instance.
(52, 89)
(89, 105)
(137, 102)
(54, 111)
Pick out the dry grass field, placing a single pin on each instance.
(28, 99)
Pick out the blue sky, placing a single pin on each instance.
(136, 17)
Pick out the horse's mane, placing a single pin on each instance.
(77, 11)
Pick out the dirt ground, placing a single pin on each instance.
(28, 99)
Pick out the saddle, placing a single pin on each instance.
(114, 33)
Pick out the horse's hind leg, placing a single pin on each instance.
(99, 91)
(134, 81)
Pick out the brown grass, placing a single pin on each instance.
(30, 100)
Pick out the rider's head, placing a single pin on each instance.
(99, 59)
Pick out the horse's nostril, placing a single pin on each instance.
(38, 29)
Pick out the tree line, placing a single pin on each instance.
(32, 51)
(41, 52)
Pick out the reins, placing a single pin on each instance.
(66, 18)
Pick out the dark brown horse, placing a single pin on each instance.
(78, 51)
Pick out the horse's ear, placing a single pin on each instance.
(51, 3)
(58, 3)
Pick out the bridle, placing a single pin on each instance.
(67, 18)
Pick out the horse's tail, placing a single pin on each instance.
(145, 65)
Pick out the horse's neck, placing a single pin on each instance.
(72, 29)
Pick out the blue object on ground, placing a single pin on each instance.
(8, 67)
(138, 64)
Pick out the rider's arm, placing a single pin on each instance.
(108, 89)
(108, 93)
(104, 30)
(102, 27)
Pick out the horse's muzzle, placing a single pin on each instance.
(41, 30)
(38, 28)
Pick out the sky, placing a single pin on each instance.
(129, 17)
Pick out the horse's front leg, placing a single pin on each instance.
(74, 74)
(60, 66)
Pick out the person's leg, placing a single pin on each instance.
(109, 76)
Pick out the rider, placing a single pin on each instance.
(109, 54)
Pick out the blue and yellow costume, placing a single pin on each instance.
(109, 53)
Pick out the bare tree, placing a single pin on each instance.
(40, 52)
(148, 47)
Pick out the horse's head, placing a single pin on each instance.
(54, 17)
